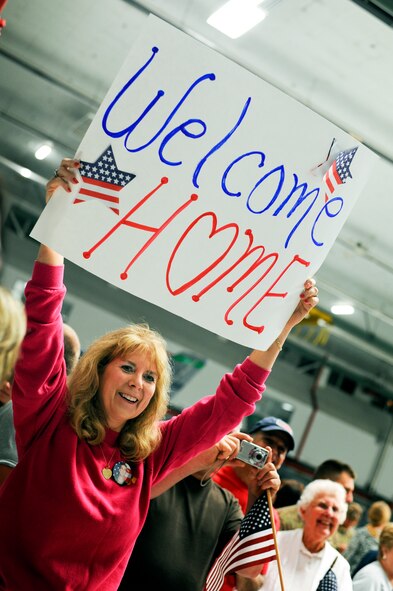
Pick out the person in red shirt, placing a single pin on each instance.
(68, 520)
(267, 432)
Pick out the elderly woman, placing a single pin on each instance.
(306, 556)
(378, 575)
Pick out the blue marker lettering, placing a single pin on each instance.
(180, 129)
(325, 209)
(219, 144)
(129, 129)
(281, 170)
(232, 164)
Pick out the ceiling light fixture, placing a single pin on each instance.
(43, 151)
(342, 309)
(287, 406)
(26, 172)
(236, 17)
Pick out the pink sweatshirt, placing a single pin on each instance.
(63, 526)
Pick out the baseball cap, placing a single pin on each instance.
(274, 424)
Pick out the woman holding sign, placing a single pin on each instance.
(91, 449)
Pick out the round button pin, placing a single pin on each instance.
(122, 474)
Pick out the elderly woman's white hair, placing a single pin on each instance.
(320, 487)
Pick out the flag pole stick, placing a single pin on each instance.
(269, 500)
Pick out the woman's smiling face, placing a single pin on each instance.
(126, 387)
(321, 517)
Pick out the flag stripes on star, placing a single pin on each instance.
(253, 544)
(102, 180)
(339, 171)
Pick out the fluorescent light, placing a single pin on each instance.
(26, 172)
(236, 17)
(342, 309)
(16, 168)
(43, 151)
(286, 406)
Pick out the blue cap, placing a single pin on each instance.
(274, 424)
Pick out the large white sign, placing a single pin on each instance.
(200, 189)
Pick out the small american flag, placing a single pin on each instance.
(339, 171)
(253, 544)
(329, 582)
(102, 180)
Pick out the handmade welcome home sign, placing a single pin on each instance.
(200, 189)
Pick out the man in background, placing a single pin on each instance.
(333, 470)
(278, 435)
(190, 521)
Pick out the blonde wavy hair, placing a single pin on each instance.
(386, 539)
(12, 331)
(379, 513)
(141, 435)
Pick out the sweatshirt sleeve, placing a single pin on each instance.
(40, 378)
(201, 425)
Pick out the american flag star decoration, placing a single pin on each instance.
(329, 582)
(253, 544)
(339, 171)
(102, 180)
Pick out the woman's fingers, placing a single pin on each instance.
(64, 177)
(310, 292)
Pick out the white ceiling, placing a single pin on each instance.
(58, 59)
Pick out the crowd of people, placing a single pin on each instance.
(98, 490)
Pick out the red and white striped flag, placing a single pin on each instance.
(102, 180)
(253, 544)
(339, 171)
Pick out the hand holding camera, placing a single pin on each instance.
(265, 475)
(252, 454)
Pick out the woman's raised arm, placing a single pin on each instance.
(308, 299)
(64, 177)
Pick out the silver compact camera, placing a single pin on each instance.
(252, 454)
